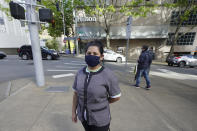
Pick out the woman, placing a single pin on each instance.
(95, 87)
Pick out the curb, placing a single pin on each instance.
(10, 88)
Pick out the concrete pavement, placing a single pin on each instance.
(32, 108)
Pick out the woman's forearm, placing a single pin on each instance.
(112, 100)
(74, 106)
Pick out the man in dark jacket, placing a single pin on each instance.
(144, 63)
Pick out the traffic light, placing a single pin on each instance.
(17, 11)
(45, 15)
(57, 6)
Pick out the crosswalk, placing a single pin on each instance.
(66, 69)
(63, 75)
(74, 66)
(164, 73)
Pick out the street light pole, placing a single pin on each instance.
(35, 42)
(128, 34)
(63, 17)
(75, 28)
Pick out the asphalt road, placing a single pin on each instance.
(13, 68)
(170, 105)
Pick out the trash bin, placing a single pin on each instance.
(67, 51)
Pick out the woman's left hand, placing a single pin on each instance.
(74, 117)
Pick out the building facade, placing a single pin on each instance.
(13, 33)
(154, 30)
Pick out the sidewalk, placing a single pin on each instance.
(33, 108)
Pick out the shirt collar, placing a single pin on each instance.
(96, 70)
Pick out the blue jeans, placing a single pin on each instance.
(142, 72)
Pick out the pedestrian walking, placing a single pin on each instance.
(144, 63)
(95, 87)
(151, 57)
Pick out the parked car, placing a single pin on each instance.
(185, 60)
(2, 55)
(110, 55)
(25, 52)
(170, 60)
(192, 62)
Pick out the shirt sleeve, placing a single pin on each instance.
(114, 90)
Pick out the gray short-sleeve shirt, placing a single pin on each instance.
(93, 90)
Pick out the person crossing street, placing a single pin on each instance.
(144, 63)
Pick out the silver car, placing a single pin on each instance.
(186, 60)
(110, 55)
(192, 61)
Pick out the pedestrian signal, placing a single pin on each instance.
(17, 11)
(45, 15)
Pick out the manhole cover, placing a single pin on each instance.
(57, 89)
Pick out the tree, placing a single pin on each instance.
(4, 8)
(112, 12)
(183, 10)
(57, 29)
(52, 44)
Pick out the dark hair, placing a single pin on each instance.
(145, 47)
(95, 43)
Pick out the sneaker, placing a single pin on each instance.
(137, 86)
(148, 87)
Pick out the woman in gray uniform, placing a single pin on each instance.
(95, 87)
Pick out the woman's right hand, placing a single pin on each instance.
(74, 107)
(74, 117)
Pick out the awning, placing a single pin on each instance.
(119, 32)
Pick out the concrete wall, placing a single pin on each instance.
(9, 51)
(135, 45)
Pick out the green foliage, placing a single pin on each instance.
(58, 30)
(63, 48)
(138, 8)
(4, 9)
(52, 44)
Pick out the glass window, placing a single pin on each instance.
(192, 20)
(189, 1)
(187, 39)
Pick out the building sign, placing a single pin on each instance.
(86, 19)
(81, 17)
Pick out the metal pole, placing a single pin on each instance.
(75, 29)
(127, 50)
(35, 42)
(63, 17)
(128, 34)
(76, 33)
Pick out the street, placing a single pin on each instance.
(170, 105)
(13, 68)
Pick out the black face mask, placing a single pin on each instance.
(92, 60)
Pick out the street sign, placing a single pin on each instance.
(128, 29)
(70, 38)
